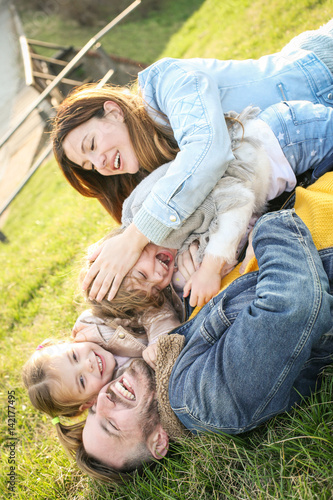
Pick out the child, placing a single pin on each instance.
(64, 378)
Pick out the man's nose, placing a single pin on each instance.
(104, 405)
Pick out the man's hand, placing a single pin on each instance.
(113, 259)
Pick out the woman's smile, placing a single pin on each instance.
(102, 144)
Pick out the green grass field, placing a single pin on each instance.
(49, 227)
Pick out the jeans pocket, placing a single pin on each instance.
(306, 112)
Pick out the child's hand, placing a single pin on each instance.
(112, 261)
(78, 326)
(203, 286)
(83, 332)
(187, 264)
(206, 281)
(150, 355)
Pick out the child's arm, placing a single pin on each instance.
(187, 261)
(89, 328)
(150, 355)
(159, 321)
(205, 282)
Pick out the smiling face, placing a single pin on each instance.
(124, 421)
(83, 369)
(154, 270)
(103, 144)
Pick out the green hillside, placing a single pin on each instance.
(49, 227)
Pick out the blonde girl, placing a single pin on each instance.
(63, 378)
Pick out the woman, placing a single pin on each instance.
(177, 115)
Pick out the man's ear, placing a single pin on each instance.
(159, 443)
(113, 109)
(88, 404)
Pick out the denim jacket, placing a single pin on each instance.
(233, 375)
(193, 94)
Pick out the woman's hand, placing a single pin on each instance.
(112, 261)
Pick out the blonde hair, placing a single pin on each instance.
(38, 377)
(128, 306)
(153, 143)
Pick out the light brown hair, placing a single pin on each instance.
(128, 306)
(38, 377)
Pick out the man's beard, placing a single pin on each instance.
(149, 416)
(139, 366)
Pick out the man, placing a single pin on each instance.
(223, 374)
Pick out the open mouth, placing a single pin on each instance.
(99, 363)
(164, 259)
(116, 163)
(125, 389)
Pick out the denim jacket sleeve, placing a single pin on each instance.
(191, 102)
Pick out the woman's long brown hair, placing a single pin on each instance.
(153, 143)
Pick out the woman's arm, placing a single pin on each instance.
(191, 101)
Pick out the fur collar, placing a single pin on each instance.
(168, 350)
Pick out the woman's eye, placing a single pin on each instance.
(82, 382)
(142, 275)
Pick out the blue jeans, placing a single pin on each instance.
(252, 349)
(305, 133)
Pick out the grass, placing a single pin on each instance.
(128, 39)
(235, 29)
(49, 227)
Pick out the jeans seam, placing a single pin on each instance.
(318, 294)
